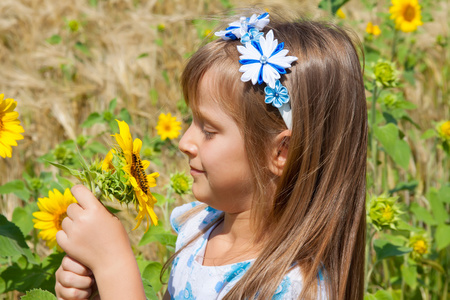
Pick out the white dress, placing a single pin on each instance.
(189, 279)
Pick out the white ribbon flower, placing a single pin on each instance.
(264, 61)
(238, 28)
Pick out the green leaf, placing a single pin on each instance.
(38, 294)
(160, 199)
(82, 48)
(386, 249)
(158, 234)
(437, 207)
(149, 291)
(124, 115)
(12, 241)
(428, 134)
(24, 277)
(442, 236)
(142, 55)
(17, 187)
(96, 147)
(153, 96)
(401, 186)
(112, 105)
(335, 5)
(422, 214)
(94, 118)
(409, 275)
(54, 39)
(383, 295)
(2, 286)
(73, 172)
(435, 265)
(398, 149)
(23, 219)
(151, 273)
(444, 194)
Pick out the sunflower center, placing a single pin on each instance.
(58, 220)
(388, 213)
(167, 127)
(1, 124)
(420, 247)
(138, 172)
(409, 13)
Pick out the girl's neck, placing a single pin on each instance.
(231, 241)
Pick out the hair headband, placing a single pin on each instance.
(262, 59)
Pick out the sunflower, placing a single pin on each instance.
(168, 126)
(107, 162)
(406, 14)
(443, 129)
(340, 13)
(135, 169)
(52, 211)
(10, 127)
(373, 29)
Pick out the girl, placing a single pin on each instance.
(277, 151)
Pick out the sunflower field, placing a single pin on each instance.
(89, 92)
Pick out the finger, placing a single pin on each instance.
(66, 224)
(70, 264)
(71, 293)
(84, 196)
(74, 210)
(71, 280)
(61, 239)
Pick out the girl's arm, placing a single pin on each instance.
(94, 237)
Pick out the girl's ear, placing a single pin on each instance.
(279, 154)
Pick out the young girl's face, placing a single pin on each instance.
(217, 156)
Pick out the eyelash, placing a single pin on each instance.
(208, 135)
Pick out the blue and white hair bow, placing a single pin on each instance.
(263, 60)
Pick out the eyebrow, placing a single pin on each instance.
(205, 118)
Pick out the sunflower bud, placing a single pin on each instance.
(385, 74)
(63, 155)
(180, 183)
(420, 245)
(383, 212)
(443, 130)
(73, 25)
(36, 184)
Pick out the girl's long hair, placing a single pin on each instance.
(313, 215)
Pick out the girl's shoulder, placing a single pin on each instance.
(193, 217)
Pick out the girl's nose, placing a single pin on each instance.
(186, 144)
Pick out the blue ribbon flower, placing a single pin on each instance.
(276, 96)
(264, 61)
(253, 34)
(239, 28)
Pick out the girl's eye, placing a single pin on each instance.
(208, 135)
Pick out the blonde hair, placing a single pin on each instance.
(313, 216)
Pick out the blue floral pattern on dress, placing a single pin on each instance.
(190, 279)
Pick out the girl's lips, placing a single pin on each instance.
(195, 171)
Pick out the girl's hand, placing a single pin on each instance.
(73, 280)
(94, 237)
(91, 234)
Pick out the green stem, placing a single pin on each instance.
(373, 144)
(394, 45)
(385, 173)
(369, 266)
(386, 274)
